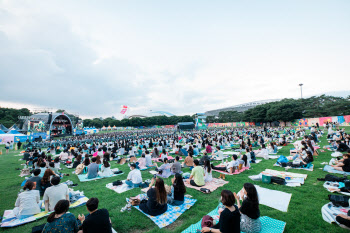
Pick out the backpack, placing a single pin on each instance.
(282, 159)
(339, 200)
(207, 221)
(79, 169)
(278, 180)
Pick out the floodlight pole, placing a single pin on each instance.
(301, 90)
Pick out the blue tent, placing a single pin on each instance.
(13, 131)
(2, 132)
(3, 128)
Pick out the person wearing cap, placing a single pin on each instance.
(134, 179)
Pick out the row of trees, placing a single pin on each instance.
(9, 116)
(148, 121)
(288, 110)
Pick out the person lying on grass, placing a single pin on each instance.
(231, 167)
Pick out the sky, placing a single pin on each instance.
(183, 57)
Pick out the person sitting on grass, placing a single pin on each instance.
(249, 209)
(97, 220)
(204, 158)
(218, 155)
(164, 169)
(230, 167)
(55, 193)
(105, 169)
(134, 179)
(36, 179)
(176, 166)
(61, 221)
(157, 198)
(28, 202)
(230, 217)
(208, 176)
(178, 190)
(141, 162)
(92, 169)
(264, 153)
(163, 155)
(46, 181)
(197, 175)
(344, 165)
(188, 161)
(341, 146)
(148, 159)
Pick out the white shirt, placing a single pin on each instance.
(54, 194)
(63, 156)
(208, 176)
(233, 163)
(219, 154)
(106, 171)
(135, 176)
(27, 202)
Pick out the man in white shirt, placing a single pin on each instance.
(230, 167)
(55, 193)
(64, 155)
(219, 155)
(134, 177)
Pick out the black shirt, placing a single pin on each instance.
(229, 222)
(152, 207)
(248, 208)
(97, 222)
(346, 166)
(179, 196)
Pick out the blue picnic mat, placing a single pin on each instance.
(330, 169)
(171, 214)
(83, 178)
(268, 225)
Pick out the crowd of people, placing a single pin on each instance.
(92, 154)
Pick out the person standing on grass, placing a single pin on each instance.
(97, 220)
(7, 147)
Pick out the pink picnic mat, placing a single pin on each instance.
(211, 185)
(235, 173)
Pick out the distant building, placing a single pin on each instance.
(239, 108)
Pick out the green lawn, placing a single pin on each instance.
(304, 212)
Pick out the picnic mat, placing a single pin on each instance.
(120, 188)
(211, 185)
(171, 214)
(292, 179)
(10, 220)
(230, 153)
(272, 198)
(83, 178)
(330, 169)
(227, 173)
(268, 225)
(327, 185)
(329, 212)
(311, 168)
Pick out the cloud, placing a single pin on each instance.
(91, 59)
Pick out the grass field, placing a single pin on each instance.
(304, 212)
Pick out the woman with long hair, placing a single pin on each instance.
(178, 190)
(98, 159)
(77, 161)
(250, 213)
(207, 171)
(105, 169)
(157, 199)
(155, 153)
(27, 203)
(45, 181)
(61, 221)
